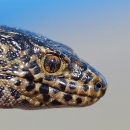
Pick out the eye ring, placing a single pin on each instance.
(52, 63)
(97, 86)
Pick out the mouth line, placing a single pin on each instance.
(58, 90)
(8, 76)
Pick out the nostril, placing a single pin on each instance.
(98, 86)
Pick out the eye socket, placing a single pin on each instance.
(98, 86)
(52, 63)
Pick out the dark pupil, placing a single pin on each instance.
(52, 63)
(97, 86)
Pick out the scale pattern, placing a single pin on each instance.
(36, 72)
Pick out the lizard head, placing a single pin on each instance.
(37, 72)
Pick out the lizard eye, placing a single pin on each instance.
(52, 63)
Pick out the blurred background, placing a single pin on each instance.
(99, 32)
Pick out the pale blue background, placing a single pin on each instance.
(98, 31)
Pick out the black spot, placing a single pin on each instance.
(79, 100)
(62, 55)
(12, 55)
(25, 101)
(1, 51)
(72, 85)
(2, 62)
(18, 82)
(26, 58)
(8, 76)
(2, 77)
(84, 66)
(33, 64)
(4, 69)
(30, 86)
(1, 89)
(76, 74)
(44, 89)
(41, 103)
(40, 80)
(87, 78)
(1, 94)
(85, 87)
(2, 39)
(25, 69)
(14, 93)
(37, 70)
(14, 67)
(97, 86)
(55, 102)
(62, 84)
(49, 77)
(29, 76)
(46, 97)
(67, 97)
(35, 93)
(17, 96)
(39, 55)
(57, 53)
(30, 52)
(20, 42)
(55, 90)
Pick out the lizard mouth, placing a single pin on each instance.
(50, 90)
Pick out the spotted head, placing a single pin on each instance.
(37, 72)
(77, 81)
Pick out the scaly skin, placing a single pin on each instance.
(36, 72)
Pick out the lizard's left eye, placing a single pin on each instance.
(52, 63)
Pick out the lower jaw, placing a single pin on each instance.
(59, 103)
